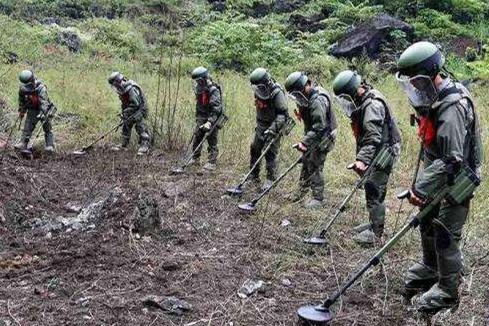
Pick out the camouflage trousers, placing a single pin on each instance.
(312, 174)
(256, 148)
(141, 129)
(31, 121)
(375, 192)
(442, 257)
(212, 148)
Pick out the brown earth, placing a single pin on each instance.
(205, 250)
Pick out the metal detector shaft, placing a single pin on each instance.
(274, 184)
(347, 199)
(375, 260)
(221, 120)
(289, 124)
(257, 162)
(102, 137)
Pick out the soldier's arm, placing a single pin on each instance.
(215, 105)
(44, 99)
(22, 104)
(319, 124)
(450, 138)
(281, 110)
(373, 121)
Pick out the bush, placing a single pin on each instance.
(239, 45)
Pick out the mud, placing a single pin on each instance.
(201, 252)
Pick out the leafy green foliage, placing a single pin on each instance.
(239, 45)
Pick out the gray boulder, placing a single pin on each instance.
(368, 36)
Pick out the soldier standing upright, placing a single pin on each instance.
(271, 115)
(208, 110)
(374, 128)
(314, 105)
(449, 131)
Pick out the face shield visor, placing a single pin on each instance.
(419, 89)
(199, 85)
(261, 91)
(347, 103)
(299, 98)
(118, 86)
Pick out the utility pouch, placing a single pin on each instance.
(326, 144)
(463, 187)
(221, 121)
(288, 126)
(384, 159)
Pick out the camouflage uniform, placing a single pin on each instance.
(208, 109)
(33, 99)
(271, 115)
(134, 112)
(374, 127)
(451, 138)
(319, 122)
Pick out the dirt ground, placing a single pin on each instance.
(203, 252)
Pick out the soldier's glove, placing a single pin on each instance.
(269, 135)
(300, 147)
(206, 126)
(41, 116)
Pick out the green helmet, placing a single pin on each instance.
(26, 76)
(259, 76)
(347, 82)
(115, 77)
(200, 72)
(421, 58)
(296, 81)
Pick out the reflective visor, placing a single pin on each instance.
(419, 89)
(347, 104)
(299, 98)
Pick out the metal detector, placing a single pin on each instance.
(285, 130)
(463, 187)
(221, 121)
(251, 206)
(84, 150)
(321, 238)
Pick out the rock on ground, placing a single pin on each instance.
(367, 37)
(146, 216)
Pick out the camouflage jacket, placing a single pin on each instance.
(455, 139)
(33, 97)
(272, 113)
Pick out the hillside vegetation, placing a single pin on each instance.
(73, 46)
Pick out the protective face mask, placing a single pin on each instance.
(299, 98)
(347, 104)
(199, 85)
(261, 91)
(420, 91)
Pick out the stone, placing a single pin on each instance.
(69, 38)
(286, 282)
(249, 287)
(172, 305)
(146, 216)
(83, 302)
(367, 37)
(285, 222)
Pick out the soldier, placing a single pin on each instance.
(208, 110)
(34, 100)
(374, 128)
(314, 105)
(134, 111)
(449, 131)
(271, 115)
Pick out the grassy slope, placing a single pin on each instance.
(77, 84)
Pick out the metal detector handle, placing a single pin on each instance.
(404, 194)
